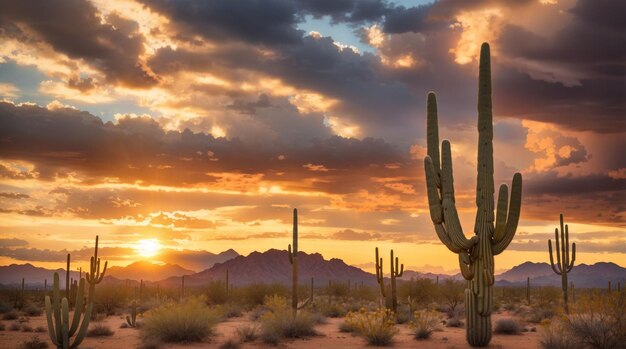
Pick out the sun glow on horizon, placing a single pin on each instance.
(147, 247)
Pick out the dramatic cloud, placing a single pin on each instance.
(202, 124)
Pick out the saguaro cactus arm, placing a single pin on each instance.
(505, 229)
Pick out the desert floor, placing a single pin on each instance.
(329, 337)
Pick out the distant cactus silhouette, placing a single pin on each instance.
(475, 254)
(563, 264)
(293, 259)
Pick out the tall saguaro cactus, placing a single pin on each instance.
(60, 328)
(475, 254)
(293, 259)
(563, 263)
(396, 271)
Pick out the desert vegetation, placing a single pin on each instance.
(389, 310)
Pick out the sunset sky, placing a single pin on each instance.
(168, 126)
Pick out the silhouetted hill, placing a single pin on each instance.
(34, 277)
(147, 271)
(273, 266)
(583, 275)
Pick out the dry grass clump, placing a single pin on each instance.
(247, 333)
(507, 326)
(377, 327)
(191, 321)
(424, 323)
(100, 330)
(33, 343)
(279, 322)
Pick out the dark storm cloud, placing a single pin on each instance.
(74, 28)
(139, 149)
(13, 242)
(265, 22)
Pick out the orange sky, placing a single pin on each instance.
(200, 129)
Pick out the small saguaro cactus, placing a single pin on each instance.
(380, 275)
(95, 276)
(67, 278)
(528, 290)
(293, 259)
(60, 329)
(131, 319)
(395, 273)
(563, 263)
(475, 254)
(182, 288)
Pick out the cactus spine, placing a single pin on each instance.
(564, 265)
(293, 259)
(57, 310)
(475, 254)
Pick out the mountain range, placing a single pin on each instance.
(272, 266)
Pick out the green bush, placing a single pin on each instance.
(190, 321)
(33, 310)
(11, 315)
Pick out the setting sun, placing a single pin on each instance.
(147, 247)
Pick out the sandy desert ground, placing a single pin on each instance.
(329, 337)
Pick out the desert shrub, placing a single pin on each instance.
(5, 307)
(420, 291)
(247, 333)
(540, 313)
(377, 327)
(33, 310)
(109, 299)
(191, 321)
(257, 312)
(15, 326)
(403, 315)
(255, 294)
(454, 322)
(33, 343)
(282, 324)
(556, 336)
(229, 310)
(333, 310)
(99, 330)
(424, 323)
(599, 321)
(11, 315)
(149, 343)
(27, 328)
(2, 328)
(230, 344)
(216, 292)
(452, 295)
(40, 329)
(318, 318)
(507, 326)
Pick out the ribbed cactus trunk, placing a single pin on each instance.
(476, 254)
(563, 263)
(293, 259)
